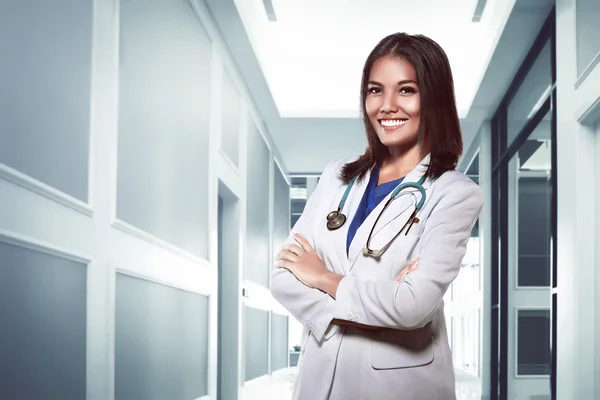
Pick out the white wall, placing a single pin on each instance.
(578, 103)
(485, 233)
(39, 215)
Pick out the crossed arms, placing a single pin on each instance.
(405, 305)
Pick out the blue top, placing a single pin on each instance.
(372, 197)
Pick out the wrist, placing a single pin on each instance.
(329, 282)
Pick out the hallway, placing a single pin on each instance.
(156, 154)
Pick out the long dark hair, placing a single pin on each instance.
(439, 123)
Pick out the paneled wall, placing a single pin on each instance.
(258, 260)
(231, 118)
(156, 322)
(577, 262)
(256, 343)
(42, 305)
(281, 208)
(165, 63)
(45, 84)
(119, 121)
(279, 341)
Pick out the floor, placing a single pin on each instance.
(279, 386)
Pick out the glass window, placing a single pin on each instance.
(530, 184)
(298, 206)
(298, 197)
(530, 96)
(293, 219)
(534, 231)
(473, 170)
(473, 173)
(298, 181)
(533, 342)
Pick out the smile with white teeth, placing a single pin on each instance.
(392, 122)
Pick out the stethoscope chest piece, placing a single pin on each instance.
(335, 220)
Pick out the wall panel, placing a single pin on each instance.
(45, 88)
(43, 325)
(231, 108)
(256, 343)
(587, 33)
(164, 108)
(258, 261)
(279, 341)
(161, 341)
(281, 214)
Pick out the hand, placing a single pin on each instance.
(407, 270)
(302, 261)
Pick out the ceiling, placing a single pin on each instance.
(303, 70)
(312, 54)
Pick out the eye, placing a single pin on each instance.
(407, 90)
(373, 90)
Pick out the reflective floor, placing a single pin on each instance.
(279, 386)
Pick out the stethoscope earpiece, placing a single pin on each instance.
(372, 253)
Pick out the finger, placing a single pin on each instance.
(282, 264)
(413, 266)
(287, 256)
(400, 275)
(303, 242)
(408, 269)
(293, 248)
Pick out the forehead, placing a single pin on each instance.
(394, 69)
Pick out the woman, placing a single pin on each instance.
(375, 329)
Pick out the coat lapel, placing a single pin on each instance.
(340, 236)
(399, 210)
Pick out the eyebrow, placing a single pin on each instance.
(402, 82)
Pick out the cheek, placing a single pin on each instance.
(413, 108)
(372, 107)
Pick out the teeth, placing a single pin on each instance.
(393, 122)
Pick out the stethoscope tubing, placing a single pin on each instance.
(336, 219)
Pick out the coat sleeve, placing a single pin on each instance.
(413, 303)
(311, 307)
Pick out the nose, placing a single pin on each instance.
(389, 104)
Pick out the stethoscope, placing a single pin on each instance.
(336, 219)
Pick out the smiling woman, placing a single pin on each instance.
(370, 292)
(408, 107)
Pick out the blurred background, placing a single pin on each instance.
(154, 155)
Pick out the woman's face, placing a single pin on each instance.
(393, 102)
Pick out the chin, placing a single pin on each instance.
(398, 142)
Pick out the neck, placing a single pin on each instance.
(403, 160)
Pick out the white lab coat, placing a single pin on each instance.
(409, 358)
